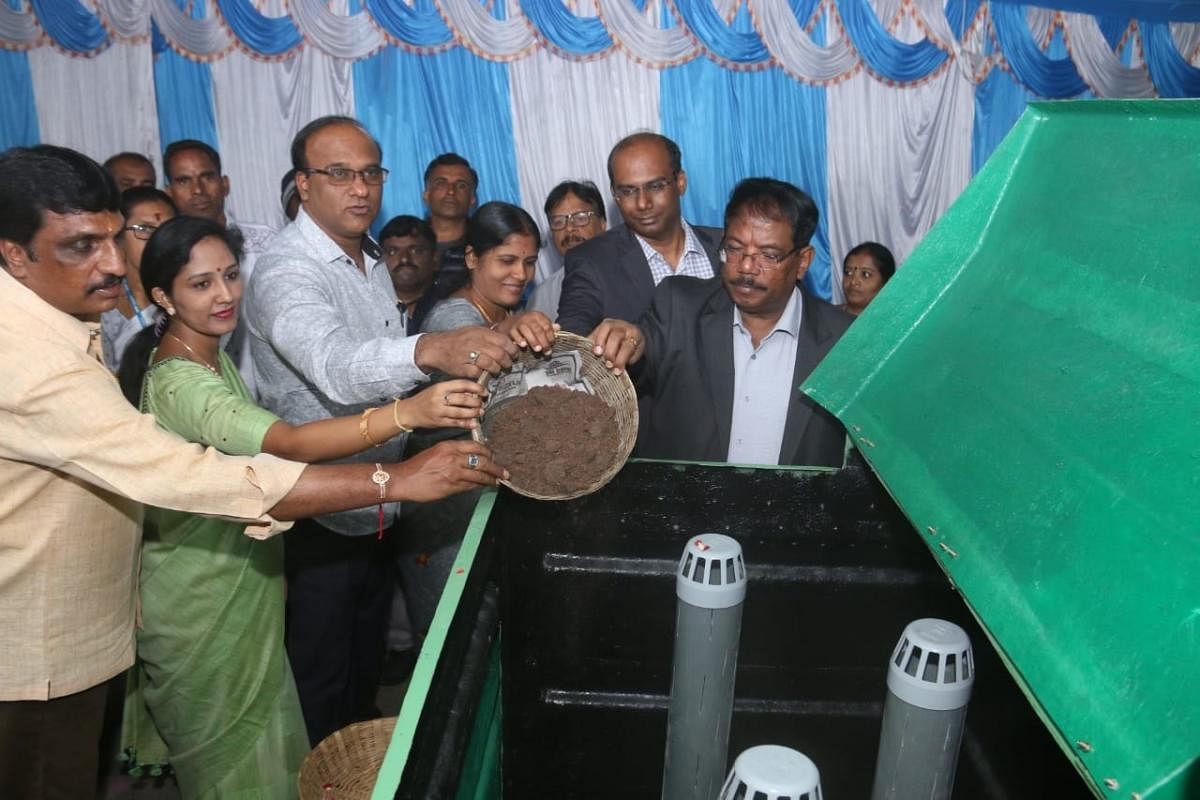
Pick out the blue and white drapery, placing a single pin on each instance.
(881, 109)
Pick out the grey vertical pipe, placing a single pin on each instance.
(710, 585)
(930, 676)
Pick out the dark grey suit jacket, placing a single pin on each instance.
(608, 277)
(685, 378)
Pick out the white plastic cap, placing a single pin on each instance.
(771, 772)
(711, 573)
(933, 666)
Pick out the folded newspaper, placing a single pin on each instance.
(563, 369)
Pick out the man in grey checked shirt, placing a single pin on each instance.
(327, 341)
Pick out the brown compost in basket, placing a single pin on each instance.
(558, 442)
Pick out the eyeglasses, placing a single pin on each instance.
(657, 186)
(141, 232)
(575, 220)
(344, 176)
(413, 251)
(762, 260)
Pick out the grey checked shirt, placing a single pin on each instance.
(694, 260)
(327, 341)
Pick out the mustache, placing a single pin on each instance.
(107, 283)
(747, 281)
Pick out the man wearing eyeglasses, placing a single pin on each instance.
(328, 340)
(575, 211)
(719, 362)
(614, 274)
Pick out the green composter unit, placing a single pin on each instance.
(1023, 401)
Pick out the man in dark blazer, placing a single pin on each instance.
(719, 363)
(613, 275)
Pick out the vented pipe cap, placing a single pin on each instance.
(932, 666)
(771, 772)
(711, 573)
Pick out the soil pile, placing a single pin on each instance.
(554, 441)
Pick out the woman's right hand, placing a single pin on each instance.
(450, 404)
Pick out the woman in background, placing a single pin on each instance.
(211, 692)
(865, 270)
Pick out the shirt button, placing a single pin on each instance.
(753, 356)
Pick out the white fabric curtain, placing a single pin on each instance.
(338, 34)
(566, 116)
(639, 35)
(19, 27)
(1100, 67)
(500, 40)
(201, 38)
(260, 106)
(100, 105)
(790, 45)
(896, 159)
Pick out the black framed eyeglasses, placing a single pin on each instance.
(575, 220)
(655, 187)
(344, 176)
(762, 260)
(141, 232)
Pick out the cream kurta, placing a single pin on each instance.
(76, 462)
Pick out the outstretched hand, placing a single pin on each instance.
(531, 329)
(465, 353)
(449, 404)
(618, 342)
(445, 469)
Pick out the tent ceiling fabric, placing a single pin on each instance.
(671, 32)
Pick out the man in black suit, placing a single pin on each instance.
(614, 274)
(719, 362)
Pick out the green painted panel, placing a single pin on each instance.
(1028, 388)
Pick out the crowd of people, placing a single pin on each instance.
(171, 373)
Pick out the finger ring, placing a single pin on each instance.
(633, 341)
(446, 398)
(473, 461)
(473, 356)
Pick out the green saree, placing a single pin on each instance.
(212, 692)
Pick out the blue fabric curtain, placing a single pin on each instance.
(1043, 74)
(70, 25)
(884, 54)
(1171, 72)
(271, 36)
(737, 43)
(422, 106)
(760, 123)
(18, 123)
(419, 25)
(183, 92)
(999, 103)
(576, 35)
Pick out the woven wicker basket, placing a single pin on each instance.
(347, 760)
(615, 390)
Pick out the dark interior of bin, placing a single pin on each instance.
(586, 608)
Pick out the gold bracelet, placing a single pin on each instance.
(396, 417)
(364, 427)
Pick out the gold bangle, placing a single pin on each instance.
(364, 427)
(396, 417)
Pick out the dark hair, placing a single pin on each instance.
(673, 154)
(300, 142)
(137, 195)
(885, 262)
(772, 199)
(407, 225)
(184, 145)
(452, 160)
(34, 180)
(487, 229)
(127, 155)
(584, 190)
(167, 252)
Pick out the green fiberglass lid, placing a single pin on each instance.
(1028, 388)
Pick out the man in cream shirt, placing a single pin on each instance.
(77, 461)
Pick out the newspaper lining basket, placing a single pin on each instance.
(348, 760)
(615, 390)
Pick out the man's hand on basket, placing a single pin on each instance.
(531, 329)
(618, 342)
(465, 353)
(446, 468)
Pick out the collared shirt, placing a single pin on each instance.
(255, 239)
(762, 386)
(694, 260)
(327, 341)
(76, 463)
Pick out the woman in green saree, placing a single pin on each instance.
(212, 693)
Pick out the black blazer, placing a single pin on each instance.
(608, 277)
(685, 378)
